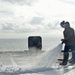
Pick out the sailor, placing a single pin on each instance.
(69, 40)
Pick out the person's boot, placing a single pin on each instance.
(63, 63)
(66, 55)
(73, 56)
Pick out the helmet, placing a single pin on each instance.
(62, 23)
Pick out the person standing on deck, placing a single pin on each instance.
(69, 40)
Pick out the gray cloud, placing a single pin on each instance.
(21, 2)
(7, 26)
(54, 25)
(36, 20)
(6, 12)
(23, 30)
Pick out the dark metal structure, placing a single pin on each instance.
(35, 41)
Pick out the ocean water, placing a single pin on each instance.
(22, 44)
(13, 44)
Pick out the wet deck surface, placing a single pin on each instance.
(23, 59)
(19, 58)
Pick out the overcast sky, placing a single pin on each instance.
(27, 16)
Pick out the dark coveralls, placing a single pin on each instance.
(69, 40)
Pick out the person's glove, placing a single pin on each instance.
(63, 41)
